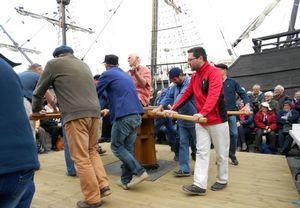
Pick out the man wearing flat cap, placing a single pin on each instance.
(124, 109)
(73, 84)
(231, 88)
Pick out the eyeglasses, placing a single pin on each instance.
(189, 60)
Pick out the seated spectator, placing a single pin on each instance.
(54, 129)
(296, 102)
(279, 96)
(269, 98)
(41, 138)
(285, 118)
(256, 97)
(245, 126)
(265, 122)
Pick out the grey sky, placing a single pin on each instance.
(130, 29)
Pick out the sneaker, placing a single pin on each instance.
(244, 147)
(83, 204)
(137, 179)
(181, 173)
(218, 186)
(122, 185)
(234, 161)
(194, 190)
(105, 191)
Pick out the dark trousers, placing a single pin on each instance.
(233, 130)
(271, 138)
(106, 127)
(17, 189)
(243, 131)
(171, 133)
(285, 141)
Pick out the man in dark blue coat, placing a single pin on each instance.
(18, 155)
(124, 109)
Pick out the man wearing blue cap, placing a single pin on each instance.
(73, 84)
(186, 129)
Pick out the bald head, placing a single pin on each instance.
(133, 60)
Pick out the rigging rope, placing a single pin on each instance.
(37, 32)
(230, 50)
(101, 31)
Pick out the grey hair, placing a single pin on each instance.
(256, 85)
(269, 93)
(34, 66)
(279, 87)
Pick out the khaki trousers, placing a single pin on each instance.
(82, 137)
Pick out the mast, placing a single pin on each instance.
(293, 16)
(154, 40)
(62, 4)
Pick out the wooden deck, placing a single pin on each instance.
(259, 181)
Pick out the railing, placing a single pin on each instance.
(160, 76)
(276, 41)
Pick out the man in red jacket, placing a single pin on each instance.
(207, 87)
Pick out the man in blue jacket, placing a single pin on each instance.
(18, 155)
(186, 129)
(124, 109)
(231, 88)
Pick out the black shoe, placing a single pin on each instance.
(234, 161)
(257, 150)
(105, 191)
(218, 186)
(83, 204)
(71, 174)
(175, 158)
(194, 190)
(193, 155)
(181, 173)
(100, 150)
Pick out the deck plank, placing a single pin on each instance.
(259, 181)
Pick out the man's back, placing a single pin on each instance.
(29, 80)
(17, 148)
(73, 85)
(121, 91)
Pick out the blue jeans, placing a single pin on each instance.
(233, 136)
(69, 163)
(187, 137)
(17, 189)
(170, 132)
(123, 135)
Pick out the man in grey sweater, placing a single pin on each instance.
(72, 81)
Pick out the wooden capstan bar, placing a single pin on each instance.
(144, 150)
